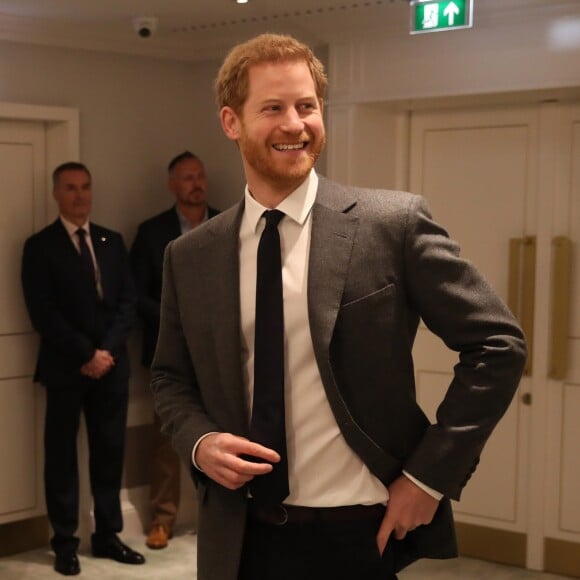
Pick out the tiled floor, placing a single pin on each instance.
(468, 569)
(178, 562)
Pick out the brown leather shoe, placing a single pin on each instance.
(158, 537)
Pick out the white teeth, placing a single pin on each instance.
(288, 147)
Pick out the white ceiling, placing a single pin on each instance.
(204, 29)
(190, 29)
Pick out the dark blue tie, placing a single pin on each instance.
(86, 258)
(268, 426)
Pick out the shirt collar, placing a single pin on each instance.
(184, 224)
(296, 206)
(72, 228)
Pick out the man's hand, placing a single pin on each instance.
(408, 507)
(101, 363)
(218, 455)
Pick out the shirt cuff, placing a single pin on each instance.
(195, 450)
(433, 493)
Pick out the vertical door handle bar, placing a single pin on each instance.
(529, 297)
(521, 288)
(561, 266)
(514, 288)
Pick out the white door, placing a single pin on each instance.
(476, 168)
(562, 380)
(22, 199)
(501, 179)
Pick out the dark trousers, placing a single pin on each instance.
(315, 551)
(104, 404)
(165, 479)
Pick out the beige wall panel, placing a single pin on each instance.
(339, 151)
(16, 222)
(18, 484)
(18, 355)
(432, 352)
(490, 192)
(574, 362)
(490, 494)
(569, 504)
(431, 388)
(492, 491)
(378, 128)
(574, 228)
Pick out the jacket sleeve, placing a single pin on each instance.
(459, 305)
(175, 388)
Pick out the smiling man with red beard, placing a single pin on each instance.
(284, 369)
(280, 132)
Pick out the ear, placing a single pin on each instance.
(231, 123)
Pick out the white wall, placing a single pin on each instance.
(513, 54)
(511, 47)
(135, 114)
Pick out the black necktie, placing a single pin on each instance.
(86, 258)
(268, 426)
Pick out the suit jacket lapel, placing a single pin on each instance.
(331, 242)
(172, 225)
(100, 243)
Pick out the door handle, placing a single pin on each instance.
(522, 289)
(561, 270)
(514, 286)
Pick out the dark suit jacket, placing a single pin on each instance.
(378, 263)
(153, 235)
(64, 306)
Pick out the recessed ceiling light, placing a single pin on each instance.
(241, 1)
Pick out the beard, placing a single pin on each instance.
(281, 173)
(192, 199)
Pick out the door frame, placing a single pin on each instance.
(383, 127)
(62, 134)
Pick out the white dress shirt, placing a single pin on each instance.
(323, 470)
(184, 224)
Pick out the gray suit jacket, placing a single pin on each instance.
(378, 263)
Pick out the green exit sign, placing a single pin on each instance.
(437, 15)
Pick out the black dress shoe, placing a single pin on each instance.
(113, 548)
(67, 564)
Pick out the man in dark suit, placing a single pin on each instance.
(188, 183)
(81, 300)
(358, 483)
